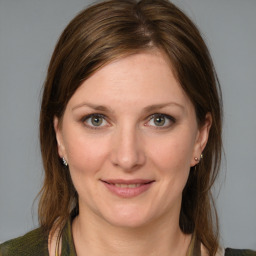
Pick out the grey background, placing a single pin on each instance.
(28, 32)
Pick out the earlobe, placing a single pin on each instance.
(58, 134)
(201, 140)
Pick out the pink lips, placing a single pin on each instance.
(128, 188)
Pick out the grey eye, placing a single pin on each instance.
(96, 120)
(159, 120)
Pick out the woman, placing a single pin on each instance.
(130, 132)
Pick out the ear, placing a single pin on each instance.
(201, 139)
(59, 137)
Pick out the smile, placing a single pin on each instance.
(127, 188)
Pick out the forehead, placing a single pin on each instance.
(145, 77)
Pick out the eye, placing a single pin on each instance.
(95, 120)
(161, 120)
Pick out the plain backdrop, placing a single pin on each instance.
(29, 30)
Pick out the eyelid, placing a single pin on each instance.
(166, 116)
(169, 117)
(85, 118)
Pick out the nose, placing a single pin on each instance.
(127, 149)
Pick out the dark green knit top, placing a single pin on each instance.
(35, 243)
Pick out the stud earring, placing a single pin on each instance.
(197, 159)
(64, 161)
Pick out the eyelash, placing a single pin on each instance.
(170, 119)
(95, 115)
(151, 117)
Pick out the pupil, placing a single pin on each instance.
(97, 121)
(159, 121)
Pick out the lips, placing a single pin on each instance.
(128, 188)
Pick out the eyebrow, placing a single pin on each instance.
(149, 108)
(159, 106)
(93, 106)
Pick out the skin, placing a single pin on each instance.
(132, 141)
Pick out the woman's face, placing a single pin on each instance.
(129, 134)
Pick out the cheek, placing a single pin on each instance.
(170, 156)
(173, 152)
(84, 153)
(86, 158)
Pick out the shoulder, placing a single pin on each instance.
(33, 243)
(236, 252)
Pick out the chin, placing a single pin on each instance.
(127, 223)
(128, 218)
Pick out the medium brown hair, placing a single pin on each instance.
(110, 30)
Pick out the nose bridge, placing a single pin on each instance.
(127, 150)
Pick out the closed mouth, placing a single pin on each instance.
(127, 184)
(128, 188)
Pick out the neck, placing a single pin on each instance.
(96, 237)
